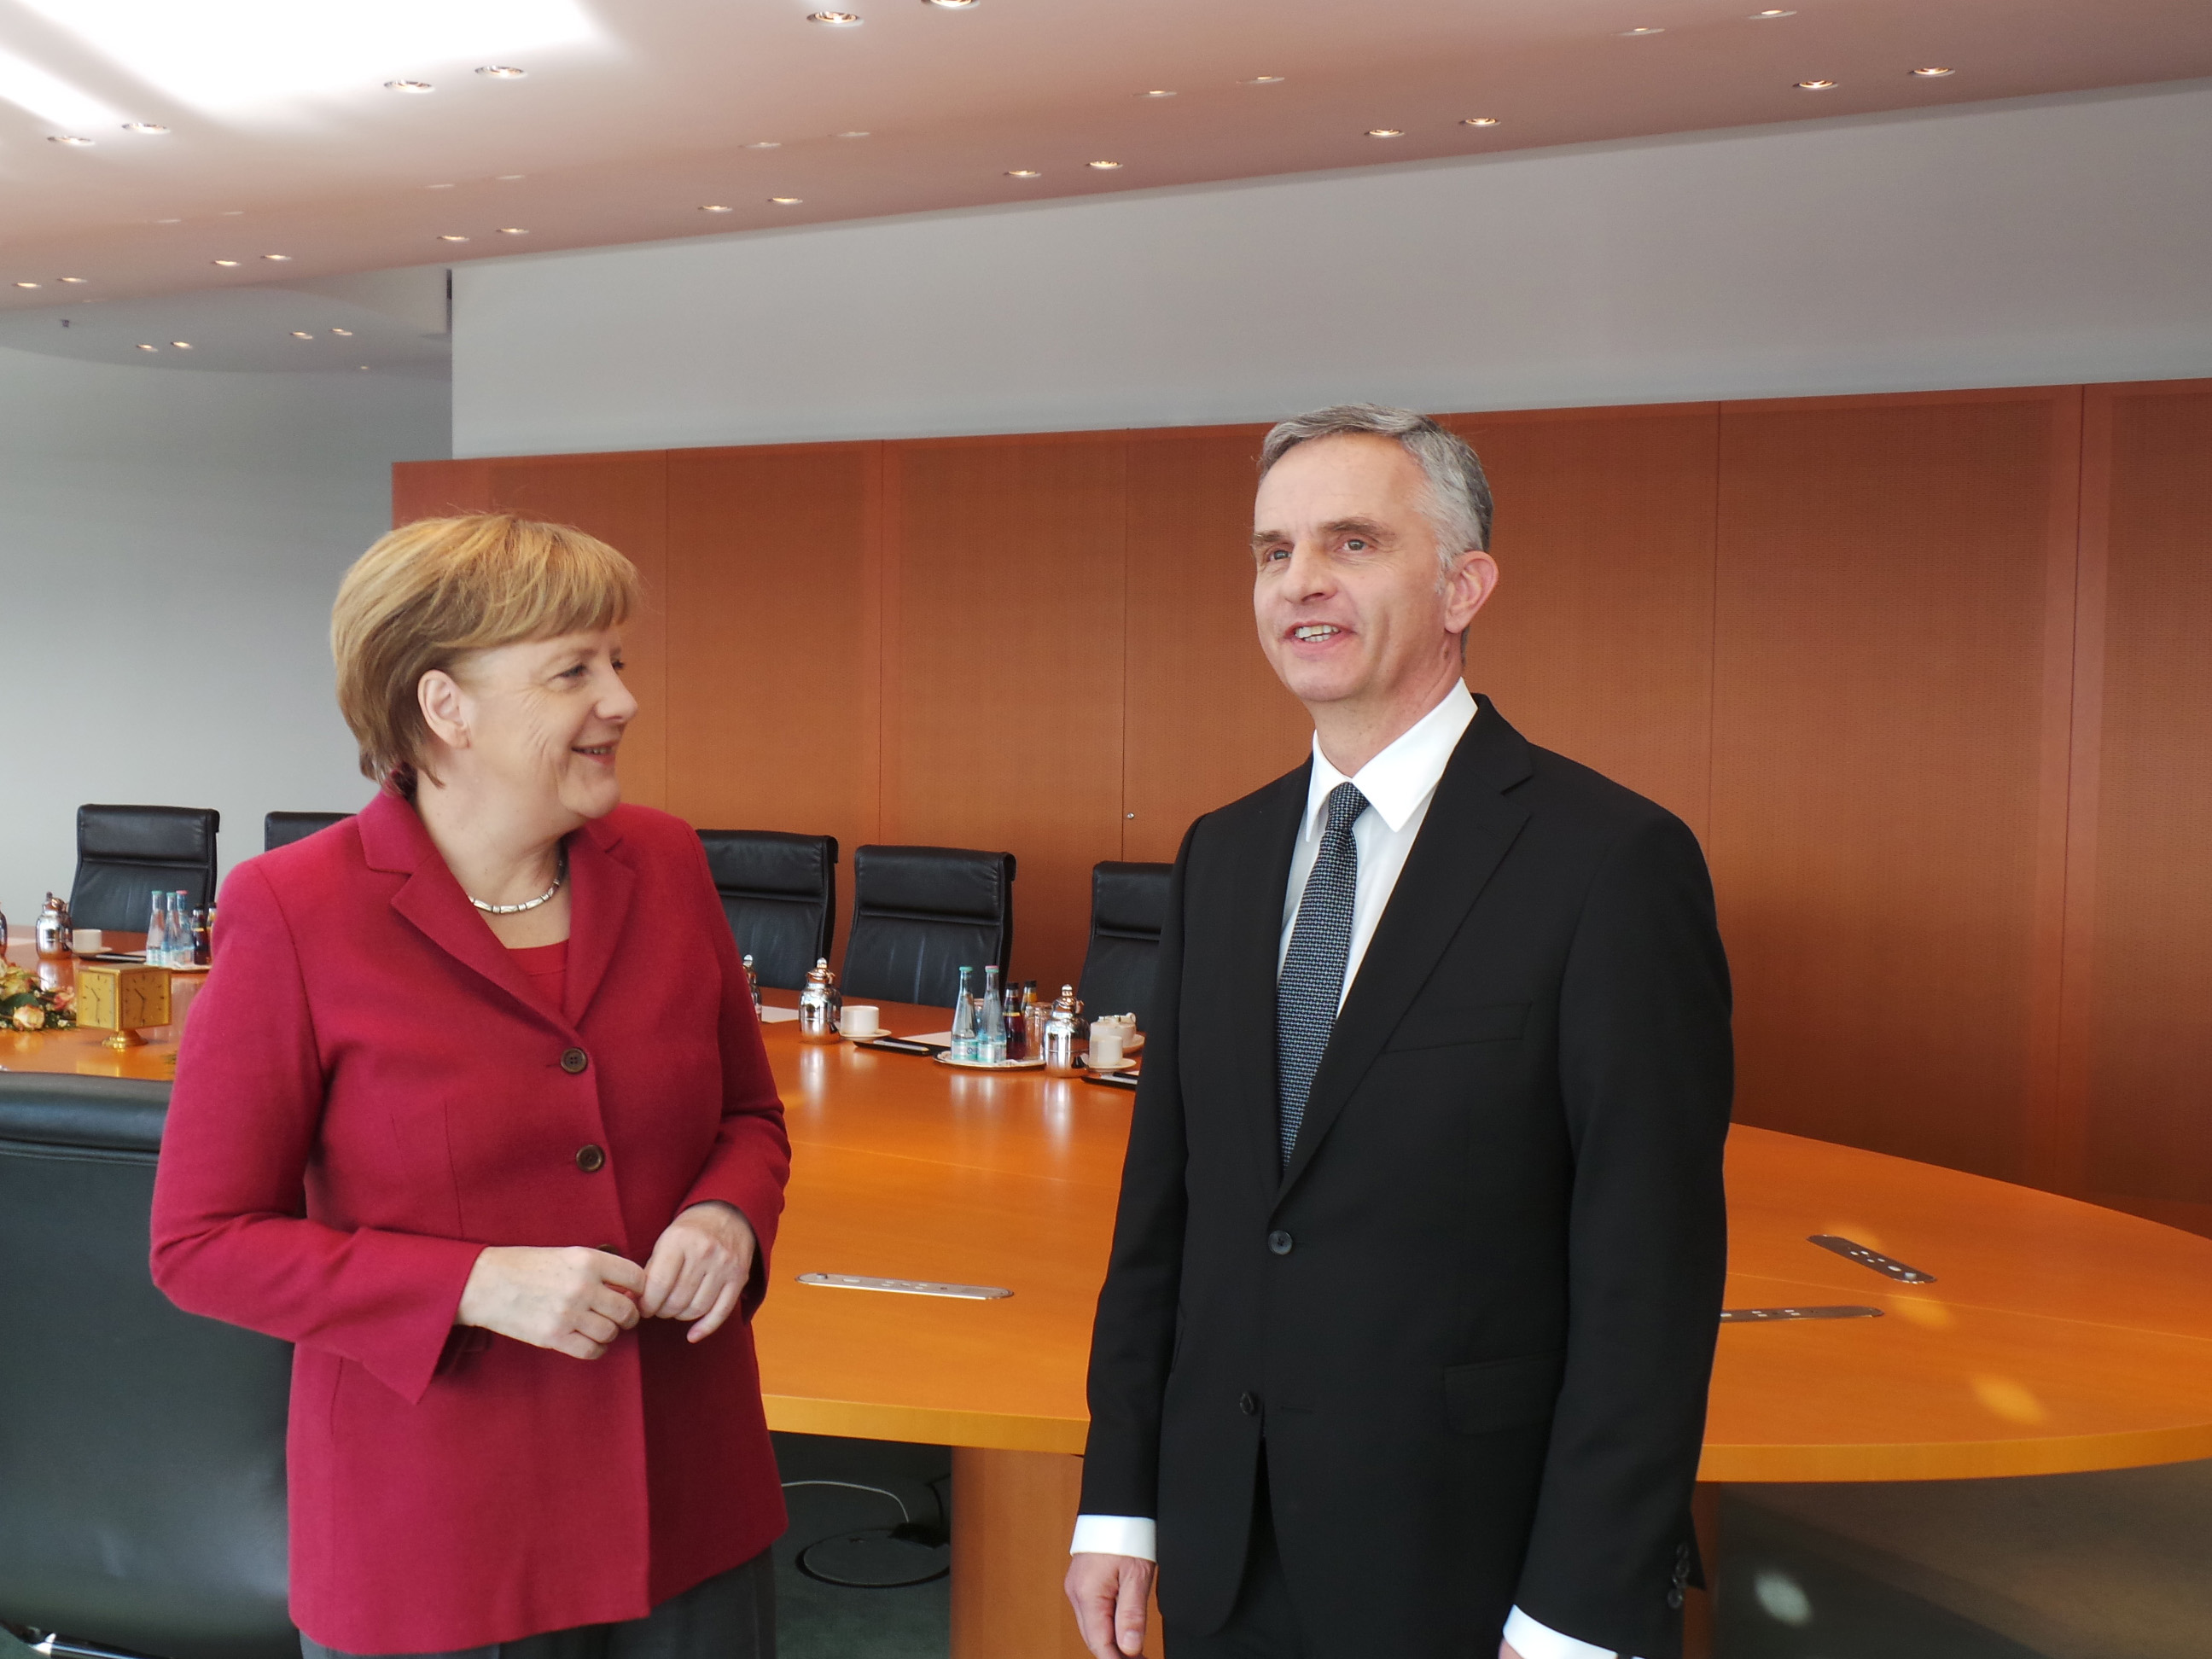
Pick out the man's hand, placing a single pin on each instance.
(699, 1267)
(1507, 1650)
(1108, 1592)
(574, 1301)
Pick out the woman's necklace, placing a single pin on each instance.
(560, 875)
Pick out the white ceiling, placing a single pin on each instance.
(633, 114)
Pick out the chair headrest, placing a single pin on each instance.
(1130, 898)
(955, 883)
(769, 861)
(180, 834)
(95, 1114)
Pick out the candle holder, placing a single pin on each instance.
(122, 1001)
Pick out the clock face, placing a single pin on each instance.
(145, 998)
(96, 999)
(122, 998)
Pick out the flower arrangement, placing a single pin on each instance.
(27, 1006)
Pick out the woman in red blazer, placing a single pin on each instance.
(474, 1111)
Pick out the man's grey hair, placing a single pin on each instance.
(1458, 507)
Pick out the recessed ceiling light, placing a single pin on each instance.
(71, 140)
(856, 133)
(1265, 80)
(437, 186)
(509, 177)
(143, 346)
(1772, 11)
(360, 365)
(27, 285)
(144, 126)
(1933, 72)
(512, 230)
(953, 5)
(1479, 121)
(501, 72)
(450, 236)
(232, 213)
(716, 207)
(302, 334)
(343, 333)
(225, 262)
(1157, 91)
(1386, 132)
(1024, 173)
(1814, 86)
(415, 86)
(76, 279)
(842, 20)
(786, 201)
(1104, 167)
(168, 222)
(182, 345)
(280, 259)
(1647, 29)
(766, 143)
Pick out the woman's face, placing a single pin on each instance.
(540, 721)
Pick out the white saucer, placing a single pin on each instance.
(865, 1036)
(1118, 1066)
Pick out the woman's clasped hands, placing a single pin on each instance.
(576, 1301)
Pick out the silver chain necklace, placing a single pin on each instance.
(560, 875)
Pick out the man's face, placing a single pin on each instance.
(1347, 589)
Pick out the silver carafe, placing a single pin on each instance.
(53, 930)
(1059, 1035)
(819, 1005)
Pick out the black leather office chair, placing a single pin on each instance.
(1128, 907)
(780, 893)
(141, 1450)
(920, 914)
(282, 829)
(125, 854)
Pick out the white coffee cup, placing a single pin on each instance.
(860, 1021)
(1106, 1036)
(88, 941)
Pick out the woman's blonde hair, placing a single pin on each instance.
(432, 591)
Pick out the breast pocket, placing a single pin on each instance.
(1503, 1394)
(1448, 1025)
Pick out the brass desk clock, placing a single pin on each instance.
(122, 999)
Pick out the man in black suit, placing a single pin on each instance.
(1403, 1349)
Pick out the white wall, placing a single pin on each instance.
(170, 541)
(2034, 241)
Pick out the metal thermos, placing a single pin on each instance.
(1060, 1034)
(53, 929)
(752, 984)
(819, 1005)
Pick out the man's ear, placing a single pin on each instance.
(445, 708)
(1466, 588)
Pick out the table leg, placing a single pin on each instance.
(1011, 1516)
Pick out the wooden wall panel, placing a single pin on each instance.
(776, 643)
(1003, 667)
(1598, 642)
(1208, 721)
(1881, 727)
(2142, 945)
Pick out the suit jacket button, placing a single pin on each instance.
(590, 1160)
(1248, 1405)
(573, 1060)
(1281, 1243)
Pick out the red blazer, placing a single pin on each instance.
(367, 1095)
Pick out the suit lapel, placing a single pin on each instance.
(1252, 919)
(598, 906)
(1469, 828)
(393, 839)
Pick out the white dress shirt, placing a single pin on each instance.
(1398, 784)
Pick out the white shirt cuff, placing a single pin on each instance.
(1533, 1641)
(1120, 1534)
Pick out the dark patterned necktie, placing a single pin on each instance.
(1312, 984)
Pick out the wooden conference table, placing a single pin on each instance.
(2056, 1336)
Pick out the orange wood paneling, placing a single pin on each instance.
(1881, 730)
(776, 643)
(1003, 667)
(438, 489)
(1208, 721)
(1598, 642)
(2140, 960)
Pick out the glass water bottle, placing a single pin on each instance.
(963, 1021)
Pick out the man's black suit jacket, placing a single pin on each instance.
(1474, 1318)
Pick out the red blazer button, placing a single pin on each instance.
(573, 1060)
(590, 1160)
